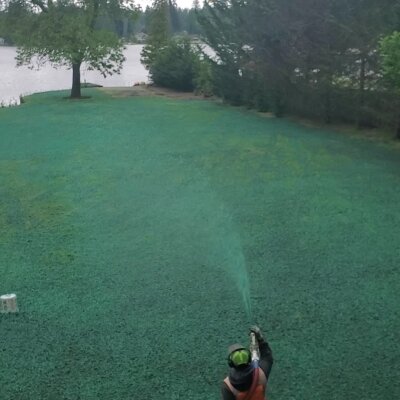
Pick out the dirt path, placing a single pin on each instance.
(149, 90)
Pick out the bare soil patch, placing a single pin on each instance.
(150, 90)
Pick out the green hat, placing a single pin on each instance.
(238, 356)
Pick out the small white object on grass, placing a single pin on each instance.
(8, 303)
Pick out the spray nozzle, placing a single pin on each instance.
(254, 350)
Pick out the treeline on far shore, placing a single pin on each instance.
(132, 27)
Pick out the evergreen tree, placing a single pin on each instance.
(159, 32)
(313, 57)
(390, 51)
(175, 23)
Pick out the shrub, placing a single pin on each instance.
(203, 78)
(175, 65)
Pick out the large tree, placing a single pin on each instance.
(64, 33)
(172, 61)
(222, 23)
(159, 32)
(390, 52)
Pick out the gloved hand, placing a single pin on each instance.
(257, 331)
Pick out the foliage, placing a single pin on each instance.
(189, 22)
(203, 76)
(75, 42)
(64, 33)
(183, 20)
(159, 33)
(172, 62)
(175, 65)
(2, 22)
(272, 52)
(13, 18)
(390, 51)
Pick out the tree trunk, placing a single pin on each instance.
(76, 81)
(125, 27)
(328, 104)
(327, 92)
(360, 111)
(397, 122)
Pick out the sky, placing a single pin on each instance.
(180, 3)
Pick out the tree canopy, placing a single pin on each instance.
(390, 49)
(172, 61)
(64, 33)
(315, 58)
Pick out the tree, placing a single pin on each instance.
(159, 32)
(390, 51)
(312, 57)
(2, 22)
(365, 22)
(172, 61)
(13, 15)
(176, 65)
(63, 33)
(221, 22)
(174, 19)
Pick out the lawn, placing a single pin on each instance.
(143, 235)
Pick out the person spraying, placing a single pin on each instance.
(249, 369)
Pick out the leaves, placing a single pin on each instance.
(390, 51)
(63, 34)
(160, 32)
(175, 65)
(308, 57)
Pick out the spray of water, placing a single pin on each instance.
(229, 250)
(244, 285)
(224, 244)
(237, 269)
(191, 206)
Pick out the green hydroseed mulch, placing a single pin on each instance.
(132, 229)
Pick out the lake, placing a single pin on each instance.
(23, 81)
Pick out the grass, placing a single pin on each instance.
(130, 229)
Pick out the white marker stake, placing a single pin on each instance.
(8, 303)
